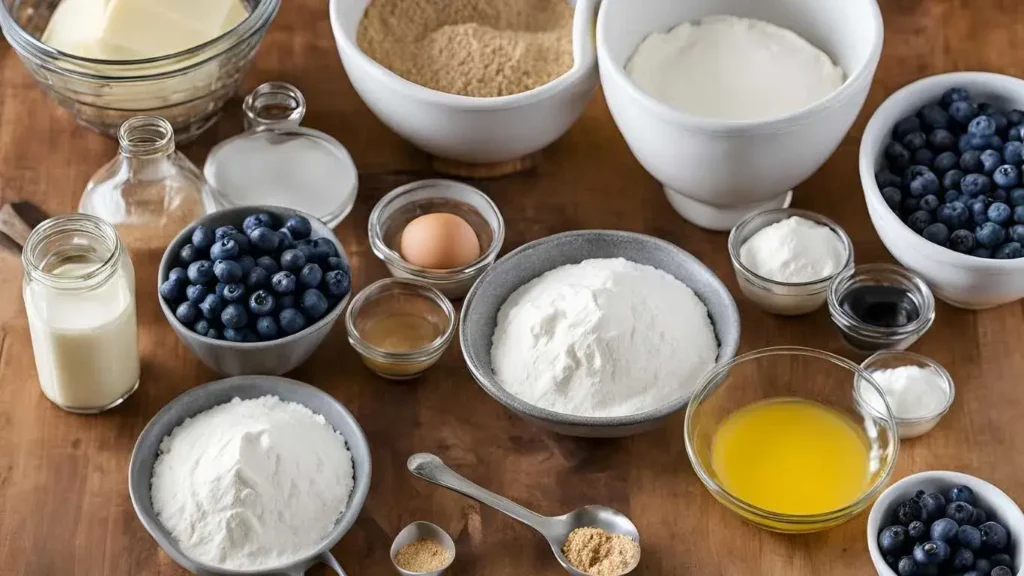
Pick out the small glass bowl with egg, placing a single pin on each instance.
(917, 408)
(774, 296)
(441, 232)
(400, 327)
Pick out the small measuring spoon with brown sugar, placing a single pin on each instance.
(555, 529)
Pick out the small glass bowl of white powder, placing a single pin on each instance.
(784, 259)
(919, 390)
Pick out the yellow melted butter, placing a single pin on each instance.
(791, 456)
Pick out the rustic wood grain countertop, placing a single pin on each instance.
(64, 506)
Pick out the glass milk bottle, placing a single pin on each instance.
(149, 191)
(79, 291)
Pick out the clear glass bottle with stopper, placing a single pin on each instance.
(150, 190)
(277, 162)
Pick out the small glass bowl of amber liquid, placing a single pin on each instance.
(400, 327)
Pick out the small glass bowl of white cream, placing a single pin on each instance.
(784, 259)
(918, 390)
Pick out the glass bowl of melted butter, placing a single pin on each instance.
(778, 436)
(109, 60)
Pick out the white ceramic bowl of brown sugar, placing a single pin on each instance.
(483, 129)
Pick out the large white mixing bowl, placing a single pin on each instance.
(715, 172)
(462, 128)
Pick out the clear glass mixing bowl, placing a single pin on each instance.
(788, 372)
(188, 88)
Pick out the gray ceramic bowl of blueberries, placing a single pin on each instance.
(254, 290)
(941, 163)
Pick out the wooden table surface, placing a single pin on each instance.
(64, 506)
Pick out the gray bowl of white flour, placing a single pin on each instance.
(250, 475)
(597, 333)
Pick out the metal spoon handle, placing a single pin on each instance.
(432, 469)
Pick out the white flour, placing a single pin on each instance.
(252, 484)
(733, 68)
(602, 338)
(794, 250)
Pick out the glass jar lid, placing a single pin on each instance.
(277, 162)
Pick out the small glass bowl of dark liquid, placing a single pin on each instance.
(880, 307)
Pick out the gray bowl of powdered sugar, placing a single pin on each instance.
(597, 333)
(285, 479)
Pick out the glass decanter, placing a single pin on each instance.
(150, 191)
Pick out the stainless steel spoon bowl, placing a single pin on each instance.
(555, 529)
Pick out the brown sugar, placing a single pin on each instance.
(478, 48)
(600, 553)
(423, 555)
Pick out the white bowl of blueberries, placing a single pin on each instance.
(944, 524)
(941, 164)
(254, 290)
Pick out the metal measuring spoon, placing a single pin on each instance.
(556, 529)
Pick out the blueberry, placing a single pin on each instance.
(951, 196)
(951, 180)
(313, 303)
(1006, 176)
(202, 237)
(227, 271)
(968, 143)
(991, 161)
(225, 249)
(338, 282)
(234, 292)
(963, 559)
(201, 327)
(287, 301)
(982, 126)
(1000, 560)
(247, 263)
(211, 306)
(311, 275)
(1001, 120)
(969, 537)
(266, 327)
(998, 195)
(910, 205)
(265, 239)
(914, 141)
(936, 233)
(982, 566)
(324, 249)
(975, 184)
(224, 232)
(1013, 153)
(234, 335)
(963, 112)
(944, 529)
(981, 252)
(929, 203)
(188, 254)
(924, 157)
(291, 320)
(945, 162)
(907, 566)
(292, 260)
(283, 282)
(286, 239)
(893, 539)
(1009, 251)
(892, 197)
(913, 172)
(299, 227)
(933, 503)
(963, 242)
(219, 289)
(931, 553)
(917, 531)
(258, 278)
(954, 95)
(307, 249)
(970, 162)
(961, 512)
(979, 210)
(1015, 117)
(243, 242)
(924, 184)
(200, 272)
(884, 179)
(1016, 134)
(213, 333)
(919, 220)
(933, 117)
(998, 213)
(909, 511)
(251, 336)
(177, 273)
(1001, 571)
(187, 313)
(234, 316)
(196, 293)
(1016, 197)
(980, 517)
(261, 303)
(172, 287)
(269, 264)
(254, 221)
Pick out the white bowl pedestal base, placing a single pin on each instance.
(720, 219)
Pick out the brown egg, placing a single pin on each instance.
(439, 241)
